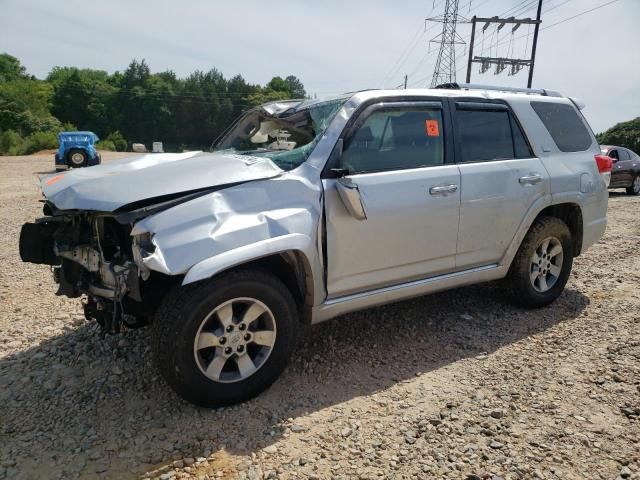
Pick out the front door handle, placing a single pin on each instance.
(443, 189)
(531, 179)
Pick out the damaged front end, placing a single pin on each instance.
(92, 254)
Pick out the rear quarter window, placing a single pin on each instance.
(564, 125)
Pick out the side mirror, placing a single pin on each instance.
(351, 198)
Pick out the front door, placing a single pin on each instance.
(393, 217)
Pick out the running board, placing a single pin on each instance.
(372, 298)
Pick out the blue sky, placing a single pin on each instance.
(332, 46)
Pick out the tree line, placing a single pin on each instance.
(624, 134)
(125, 107)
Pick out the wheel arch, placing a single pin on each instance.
(571, 215)
(291, 265)
(569, 212)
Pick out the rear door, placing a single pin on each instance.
(500, 180)
(393, 216)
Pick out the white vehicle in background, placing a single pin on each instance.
(384, 195)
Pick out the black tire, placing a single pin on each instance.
(518, 281)
(634, 188)
(76, 154)
(178, 321)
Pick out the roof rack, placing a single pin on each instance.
(474, 86)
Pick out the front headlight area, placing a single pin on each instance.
(142, 248)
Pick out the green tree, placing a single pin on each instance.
(295, 87)
(11, 69)
(84, 98)
(11, 143)
(25, 106)
(624, 134)
(134, 104)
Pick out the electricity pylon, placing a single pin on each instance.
(445, 71)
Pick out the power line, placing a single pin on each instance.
(580, 14)
(398, 63)
(566, 19)
(553, 8)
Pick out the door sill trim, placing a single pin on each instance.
(371, 298)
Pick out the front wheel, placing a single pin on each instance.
(224, 341)
(634, 189)
(541, 268)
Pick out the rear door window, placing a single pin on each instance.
(624, 155)
(564, 125)
(489, 132)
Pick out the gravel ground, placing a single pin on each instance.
(455, 385)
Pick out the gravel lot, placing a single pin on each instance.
(456, 385)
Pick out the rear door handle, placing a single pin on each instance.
(531, 179)
(443, 189)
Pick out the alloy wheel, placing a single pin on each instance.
(546, 264)
(234, 340)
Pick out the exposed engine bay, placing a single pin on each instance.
(92, 254)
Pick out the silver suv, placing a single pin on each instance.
(309, 209)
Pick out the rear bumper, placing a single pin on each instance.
(594, 218)
(61, 163)
(593, 232)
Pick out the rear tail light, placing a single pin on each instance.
(605, 164)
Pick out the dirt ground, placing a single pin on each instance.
(456, 385)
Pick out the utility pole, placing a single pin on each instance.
(502, 63)
(473, 35)
(406, 77)
(535, 44)
(445, 70)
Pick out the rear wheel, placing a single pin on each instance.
(77, 158)
(225, 341)
(634, 189)
(541, 268)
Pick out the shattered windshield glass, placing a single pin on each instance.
(287, 138)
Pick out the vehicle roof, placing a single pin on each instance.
(450, 92)
(68, 134)
(491, 93)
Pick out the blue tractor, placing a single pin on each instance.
(77, 149)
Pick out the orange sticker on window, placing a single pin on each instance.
(432, 128)
(55, 179)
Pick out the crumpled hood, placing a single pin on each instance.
(110, 186)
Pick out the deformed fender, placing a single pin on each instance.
(247, 253)
(237, 225)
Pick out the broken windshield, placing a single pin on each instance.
(287, 137)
